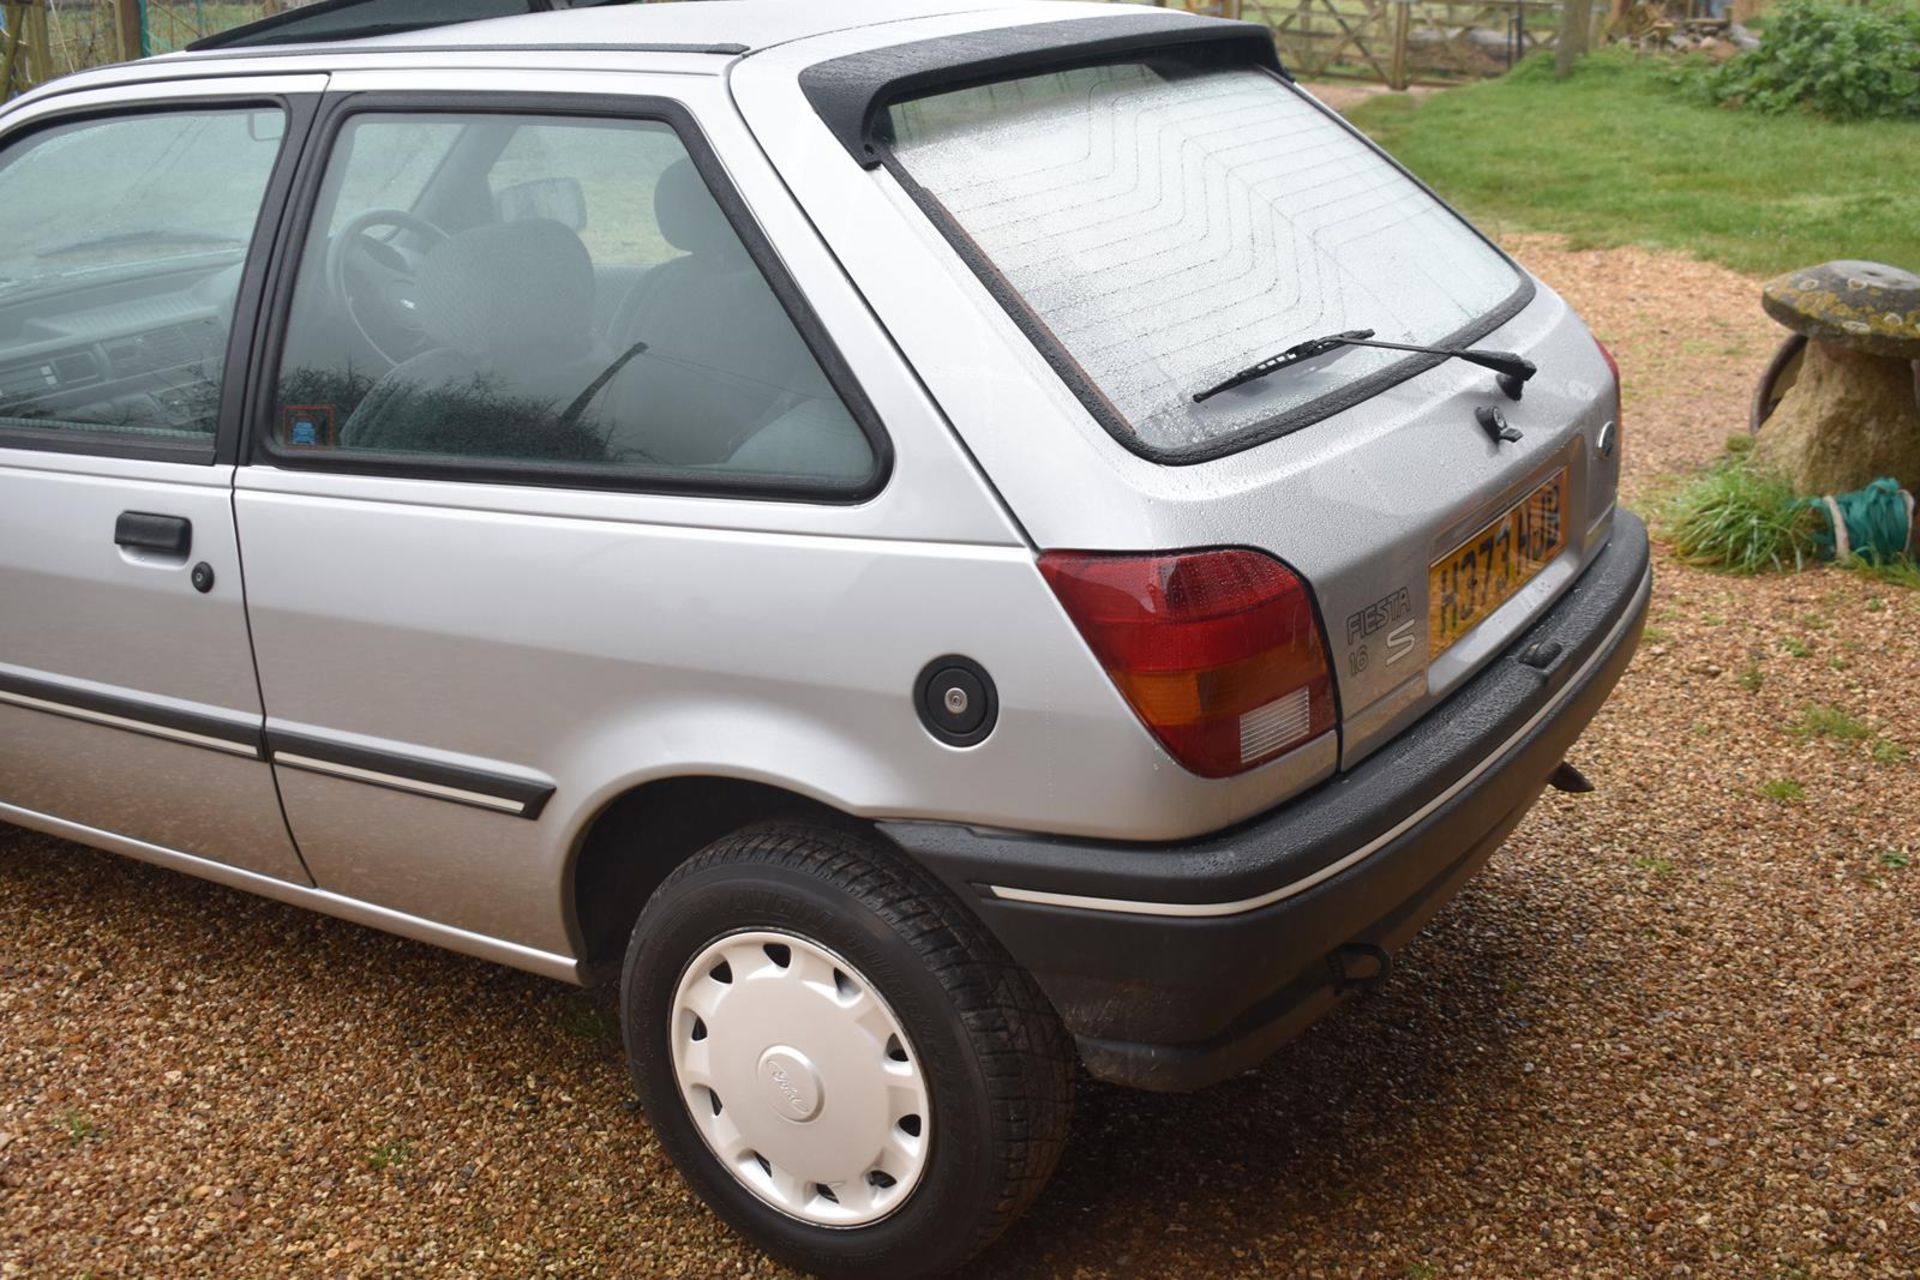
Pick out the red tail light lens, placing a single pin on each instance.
(1217, 651)
(1613, 366)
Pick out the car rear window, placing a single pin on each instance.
(1158, 229)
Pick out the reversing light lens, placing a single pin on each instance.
(1218, 652)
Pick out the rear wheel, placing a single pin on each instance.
(838, 1057)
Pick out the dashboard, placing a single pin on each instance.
(144, 352)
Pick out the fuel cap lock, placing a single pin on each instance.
(957, 701)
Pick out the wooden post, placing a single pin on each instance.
(1571, 42)
(39, 46)
(1402, 28)
(16, 22)
(126, 29)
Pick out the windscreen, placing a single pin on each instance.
(1162, 230)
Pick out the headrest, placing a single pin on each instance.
(510, 288)
(689, 217)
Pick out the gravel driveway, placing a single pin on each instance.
(1674, 1029)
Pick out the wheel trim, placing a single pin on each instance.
(800, 1078)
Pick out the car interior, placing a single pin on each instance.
(499, 318)
(495, 288)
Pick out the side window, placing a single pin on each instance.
(562, 293)
(121, 248)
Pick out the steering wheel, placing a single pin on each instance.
(372, 281)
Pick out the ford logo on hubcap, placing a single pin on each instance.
(792, 1085)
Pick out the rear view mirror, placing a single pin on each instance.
(561, 200)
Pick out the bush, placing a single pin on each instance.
(1841, 61)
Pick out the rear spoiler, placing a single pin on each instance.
(335, 20)
(852, 93)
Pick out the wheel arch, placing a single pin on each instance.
(637, 839)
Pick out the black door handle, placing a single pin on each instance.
(144, 531)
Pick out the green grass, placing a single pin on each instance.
(1887, 751)
(1739, 519)
(389, 1154)
(1895, 573)
(78, 1125)
(1784, 791)
(1617, 155)
(1819, 721)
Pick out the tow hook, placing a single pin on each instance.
(1570, 780)
(1358, 965)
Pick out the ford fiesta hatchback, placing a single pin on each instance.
(935, 543)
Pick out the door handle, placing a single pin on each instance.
(144, 531)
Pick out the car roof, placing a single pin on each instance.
(719, 26)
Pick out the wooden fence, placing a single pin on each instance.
(48, 38)
(1398, 42)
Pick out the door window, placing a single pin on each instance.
(563, 298)
(121, 248)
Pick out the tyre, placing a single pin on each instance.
(837, 1056)
(1782, 372)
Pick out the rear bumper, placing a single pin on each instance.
(1176, 965)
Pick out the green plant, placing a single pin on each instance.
(1887, 751)
(1783, 791)
(79, 1128)
(1752, 678)
(1841, 61)
(1658, 865)
(1896, 859)
(1795, 647)
(1656, 635)
(1895, 573)
(590, 1022)
(388, 1154)
(1739, 519)
(1819, 721)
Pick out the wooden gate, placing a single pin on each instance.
(1398, 42)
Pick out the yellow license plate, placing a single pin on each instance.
(1486, 570)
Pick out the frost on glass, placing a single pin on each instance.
(1171, 231)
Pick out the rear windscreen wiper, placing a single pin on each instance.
(1513, 370)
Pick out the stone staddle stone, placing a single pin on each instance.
(1863, 306)
(1854, 414)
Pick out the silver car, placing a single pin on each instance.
(938, 543)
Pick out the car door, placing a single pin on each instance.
(130, 221)
(577, 516)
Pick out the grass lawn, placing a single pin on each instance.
(1616, 156)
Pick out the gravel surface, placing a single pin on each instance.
(1674, 1029)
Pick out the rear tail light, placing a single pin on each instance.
(1613, 366)
(1217, 652)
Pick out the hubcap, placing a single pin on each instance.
(800, 1078)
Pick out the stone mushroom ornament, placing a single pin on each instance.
(1853, 414)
